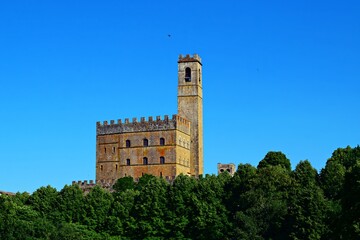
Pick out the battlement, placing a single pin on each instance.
(86, 186)
(189, 58)
(152, 124)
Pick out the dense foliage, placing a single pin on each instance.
(268, 202)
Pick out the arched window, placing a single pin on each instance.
(162, 141)
(187, 74)
(128, 162)
(146, 142)
(128, 143)
(162, 160)
(145, 161)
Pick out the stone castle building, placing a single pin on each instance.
(166, 146)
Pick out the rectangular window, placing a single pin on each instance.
(128, 162)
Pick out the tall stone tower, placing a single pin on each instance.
(190, 106)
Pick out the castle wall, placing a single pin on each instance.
(116, 159)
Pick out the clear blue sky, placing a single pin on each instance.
(277, 76)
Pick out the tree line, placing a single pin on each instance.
(270, 201)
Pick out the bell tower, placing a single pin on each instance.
(190, 106)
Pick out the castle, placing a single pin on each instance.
(164, 147)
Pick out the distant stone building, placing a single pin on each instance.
(6, 193)
(230, 168)
(163, 147)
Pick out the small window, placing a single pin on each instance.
(105, 150)
(187, 74)
(221, 170)
(116, 167)
(160, 174)
(113, 149)
(128, 162)
(146, 142)
(101, 167)
(145, 161)
(128, 143)
(162, 160)
(162, 141)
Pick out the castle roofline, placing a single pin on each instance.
(189, 58)
(157, 124)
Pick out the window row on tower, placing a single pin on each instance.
(145, 142)
(145, 161)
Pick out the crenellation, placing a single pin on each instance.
(176, 122)
(188, 58)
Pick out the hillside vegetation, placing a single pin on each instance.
(269, 201)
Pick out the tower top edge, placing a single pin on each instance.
(189, 58)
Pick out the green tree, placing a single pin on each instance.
(179, 199)
(275, 159)
(208, 215)
(350, 217)
(123, 184)
(240, 183)
(18, 221)
(97, 205)
(72, 204)
(45, 201)
(150, 210)
(307, 206)
(120, 222)
(263, 206)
